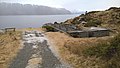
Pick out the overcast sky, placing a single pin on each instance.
(81, 5)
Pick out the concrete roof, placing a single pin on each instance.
(93, 29)
(98, 28)
(75, 31)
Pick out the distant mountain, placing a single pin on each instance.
(28, 9)
(77, 12)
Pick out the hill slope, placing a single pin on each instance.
(94, 52)
(109, 18)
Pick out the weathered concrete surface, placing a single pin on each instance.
(36, 53)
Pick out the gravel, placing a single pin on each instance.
(36, 53)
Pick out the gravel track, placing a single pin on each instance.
(35, 47)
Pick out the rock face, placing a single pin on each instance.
(27, 9)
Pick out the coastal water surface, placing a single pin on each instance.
(26, 21)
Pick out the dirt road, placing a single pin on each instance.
(36, 53)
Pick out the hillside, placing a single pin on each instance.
(94, 52)
(109, 18)
(27, 9)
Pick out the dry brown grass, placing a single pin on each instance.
(31, 29)
(70, 49)
(9, 46)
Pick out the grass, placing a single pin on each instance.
(32, 29)
(109, 52)
(71, 49)
(98, 51)
(9, 46)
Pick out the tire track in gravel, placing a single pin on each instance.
(23, 56)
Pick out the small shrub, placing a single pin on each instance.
(93, 22)
(104, 49)
(108, 52)
(76, 20)
(96, 50)
(48, 28)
